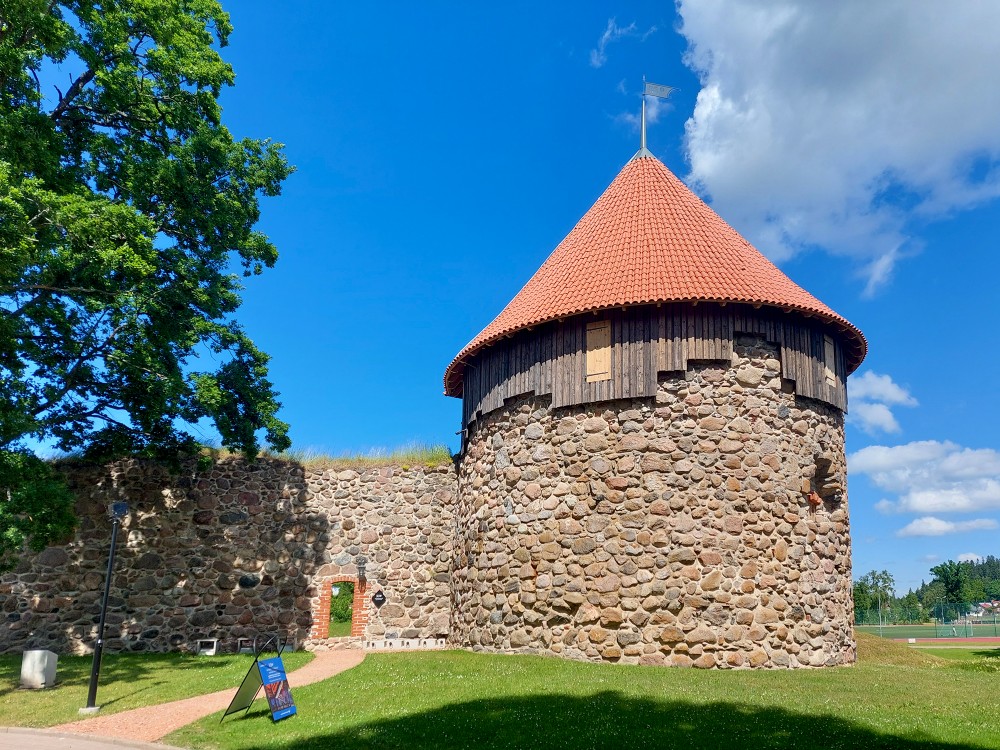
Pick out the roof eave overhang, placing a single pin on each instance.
(851, 336)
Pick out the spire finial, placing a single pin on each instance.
(649, 89)
(642, 119)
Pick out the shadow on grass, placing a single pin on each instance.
(604, 720)
(993, 653)
(112, 701)
(74, 671)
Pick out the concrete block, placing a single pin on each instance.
(38, 669)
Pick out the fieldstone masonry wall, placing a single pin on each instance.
(237, 550)
(705, 527)
(679, 532)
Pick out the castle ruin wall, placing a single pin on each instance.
(237, 550)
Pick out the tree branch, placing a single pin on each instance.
(71, 93)
(56, 289)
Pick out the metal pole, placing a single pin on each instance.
(880, 633)
(95, 668)
(642, 124)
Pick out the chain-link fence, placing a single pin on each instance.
(943, 620)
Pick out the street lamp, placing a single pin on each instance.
(117, 511)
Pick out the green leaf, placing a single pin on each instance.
(124, 203)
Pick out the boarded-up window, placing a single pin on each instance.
(598, 351)
(829, 360)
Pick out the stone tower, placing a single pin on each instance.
(652, 467)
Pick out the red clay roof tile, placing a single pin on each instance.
(648, 239)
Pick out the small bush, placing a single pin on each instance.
(341, 605)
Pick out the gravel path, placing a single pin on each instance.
(17, 738)
(153, 722)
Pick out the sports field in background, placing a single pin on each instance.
(947, 620)
(957, 631)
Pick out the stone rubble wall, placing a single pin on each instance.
(236, 550)
(674, 532)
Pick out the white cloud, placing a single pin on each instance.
(885, 506)
(930, 558)
(872, 386)
(613, 33)
(931, 526)
(873, 417)
(842, 124)
(928, 476)
(871, 397)
(970, 557)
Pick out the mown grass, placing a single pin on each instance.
(894, 698)
(977, 658)
(929, 630)
(126, 681)
(340, 629)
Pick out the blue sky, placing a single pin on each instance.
(442, 154)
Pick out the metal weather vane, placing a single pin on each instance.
(660, 92)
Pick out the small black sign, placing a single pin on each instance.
(378, 599)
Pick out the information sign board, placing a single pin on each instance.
(279, 695)
(247, 692)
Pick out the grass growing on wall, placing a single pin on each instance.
(894, 698)
(408, 456)
(127, 681)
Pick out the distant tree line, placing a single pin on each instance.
(952, 583)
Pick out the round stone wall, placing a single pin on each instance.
(707, 527)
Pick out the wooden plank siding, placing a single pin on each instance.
(550, 360)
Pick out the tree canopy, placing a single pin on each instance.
(125, 207)
(874, 590)
(971, 581)
(958, 586)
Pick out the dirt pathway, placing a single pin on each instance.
(154, 722)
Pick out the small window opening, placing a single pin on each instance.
(341, 608)
(598, 351)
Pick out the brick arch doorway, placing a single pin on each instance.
(359, 609)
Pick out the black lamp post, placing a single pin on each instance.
(117, 511)
(361, 563)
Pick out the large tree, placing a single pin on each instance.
(125, 207)
(875, 590)
(954, 576)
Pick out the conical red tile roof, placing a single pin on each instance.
(650, 239)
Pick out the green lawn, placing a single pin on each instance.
(982, 658)
(929, 630)
(895, 697)
(127, 681)
(340, 629)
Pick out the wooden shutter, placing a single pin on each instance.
(829, 360)
(598, 351)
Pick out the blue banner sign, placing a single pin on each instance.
(279, 695)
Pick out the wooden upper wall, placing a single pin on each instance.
(645, 341)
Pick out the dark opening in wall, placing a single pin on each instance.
(341, 608)
(827, 482)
